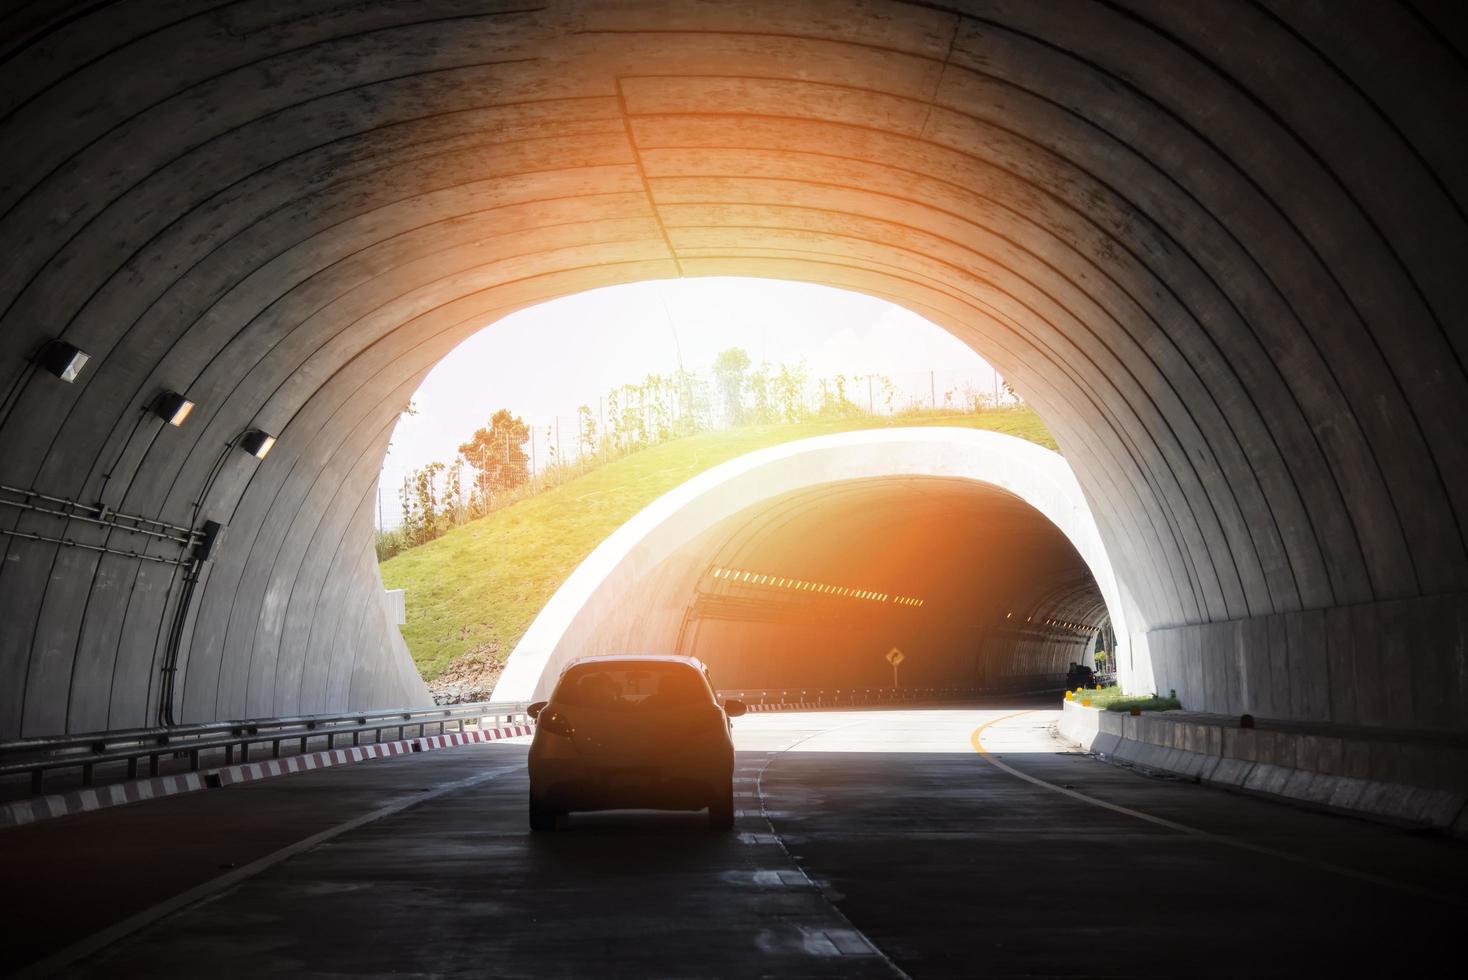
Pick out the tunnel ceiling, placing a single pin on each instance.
(1219, 246)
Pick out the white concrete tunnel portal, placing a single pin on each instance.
(634, 591)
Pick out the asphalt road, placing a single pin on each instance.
(947, 842)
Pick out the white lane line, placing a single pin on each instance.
(842, 942)
(99, 940)
(977, 739)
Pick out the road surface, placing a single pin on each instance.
(952, 842)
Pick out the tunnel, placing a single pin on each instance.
(935, 569)
(1217, 246)
(804, 565)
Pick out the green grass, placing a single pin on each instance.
(1112, 699)
(480, 585)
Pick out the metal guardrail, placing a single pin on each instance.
(132, 747)
(137, 747)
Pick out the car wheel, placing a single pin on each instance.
(721, 809)
(542, 817)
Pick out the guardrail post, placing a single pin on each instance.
(330, 741)
(356, 738)
(37, 779)
(275, 748)
(153, 764)
(193, 760)
(132, 768)
(229, 755)
(244, 752)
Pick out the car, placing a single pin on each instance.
(641, 731)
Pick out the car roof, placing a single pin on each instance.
(636, 658)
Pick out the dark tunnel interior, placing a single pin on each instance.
(814, 588)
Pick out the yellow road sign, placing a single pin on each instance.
(895, 656)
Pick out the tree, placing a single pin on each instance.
(588, 429)
(835, 402)
(761, 387)
(497, 452)
(789, 388)
(729, 377)
(422, 519)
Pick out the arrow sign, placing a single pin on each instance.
(895, 656)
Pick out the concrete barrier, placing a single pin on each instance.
(23, 812)
(1399, 776)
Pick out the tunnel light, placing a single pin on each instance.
(257, 443)
(172, 408)
(63, 360)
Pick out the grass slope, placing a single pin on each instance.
(479, 586)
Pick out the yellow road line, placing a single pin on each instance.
(976, 740)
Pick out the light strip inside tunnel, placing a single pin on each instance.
(745, 577)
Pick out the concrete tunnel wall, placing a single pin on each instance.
(1218, 246)
(634, 591)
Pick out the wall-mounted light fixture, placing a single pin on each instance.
(172, 408)
(257, 443)
(63, 360)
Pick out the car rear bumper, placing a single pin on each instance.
(573, 786)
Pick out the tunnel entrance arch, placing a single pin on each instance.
(1217, 246)
(632, 591)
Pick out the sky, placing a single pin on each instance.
(546, 360)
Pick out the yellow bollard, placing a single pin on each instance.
(1085, 702)
(1069, 695)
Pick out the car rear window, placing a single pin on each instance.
(643, 687)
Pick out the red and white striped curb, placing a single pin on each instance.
(785, 706)
(81, 800)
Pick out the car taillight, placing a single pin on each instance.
(555, 723)
(707, 725)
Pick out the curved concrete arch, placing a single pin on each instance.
(1217, 246)
(612, 576)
